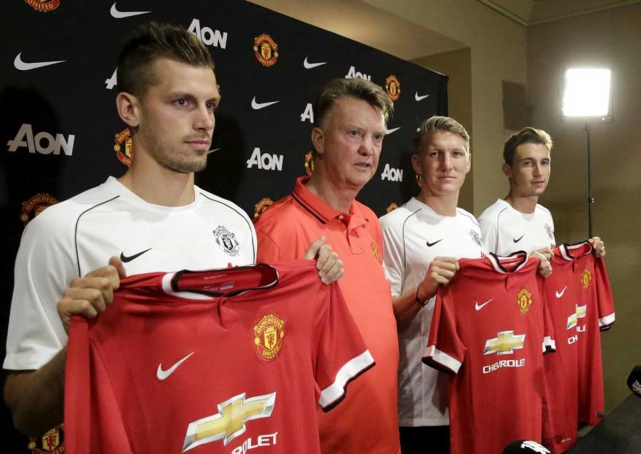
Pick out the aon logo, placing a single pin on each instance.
(352, 73)
(392, 174)
(42, 142)
(265, 161)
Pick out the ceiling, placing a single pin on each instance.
(533, 12)
(362, 22)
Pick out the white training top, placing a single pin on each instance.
(506, 230)
(413, 235)
(69, 239)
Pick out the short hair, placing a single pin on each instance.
(150, 42)
(357, 88)
(438, 124)
(525, 135)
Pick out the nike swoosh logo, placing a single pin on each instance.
(481, 306)
(389, 131)
(215, 149)
(122, 14)
(260, 105)
(420, 98)
(126, 259)
(432, 244)
(22, 66)
(309, 65)
(164, 374)
(519, 239)
(559, 295)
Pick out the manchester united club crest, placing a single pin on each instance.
(227, 241)
(43, 6)
(393, 87)
(476, 238)
(266, 50)
(524, 300)
(269, 333)
(309, 163)
(49, 443)
(586, 278)
(124, 147)
(391, 207)
(261, 206)
(376, 252)
(36, 204)
(549, 231)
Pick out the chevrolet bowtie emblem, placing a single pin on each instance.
(230, 421)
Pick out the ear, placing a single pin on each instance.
(469, 163)
(416, 164)
(507, 170)
(128, 109)
(318, 140)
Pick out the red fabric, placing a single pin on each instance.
(496, 392)
(115, 401)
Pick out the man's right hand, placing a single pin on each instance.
(440, 272)
(88, 296)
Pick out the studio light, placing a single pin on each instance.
(586, 99)
(586, 96)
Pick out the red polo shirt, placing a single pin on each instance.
(367, 421)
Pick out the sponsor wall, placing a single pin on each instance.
(60, 133)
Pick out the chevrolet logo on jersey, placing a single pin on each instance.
(230, 421)
(573, 319)
(504, 344)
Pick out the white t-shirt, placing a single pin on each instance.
(76, 236)
(506, 230)
(413, 235)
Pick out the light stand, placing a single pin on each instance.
(586, 99)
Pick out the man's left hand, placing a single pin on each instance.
(599, 247)
(329, 266)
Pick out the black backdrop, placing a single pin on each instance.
(61, 134)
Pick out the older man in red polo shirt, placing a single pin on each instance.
(350, 117)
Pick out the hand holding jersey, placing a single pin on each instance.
(88, 296)
(545, 268)
(599, 247)
(329, 266)
(440, 272)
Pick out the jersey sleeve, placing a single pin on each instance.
(445, 350)
(44, 267)
(549, 334)
(341, 354)
(93, 423)
(393, 257)
(605, 302)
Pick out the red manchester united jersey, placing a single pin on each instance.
(561, 405)
(221, 361)
(490, 328)
(595, 313)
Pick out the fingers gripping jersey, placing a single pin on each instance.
(221, 361)
(490, 329)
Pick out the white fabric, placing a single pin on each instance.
(422, 396)
(506, 230)
(76, 236)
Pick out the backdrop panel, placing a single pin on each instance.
(61, 134)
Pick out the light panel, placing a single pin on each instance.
(587, 94)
